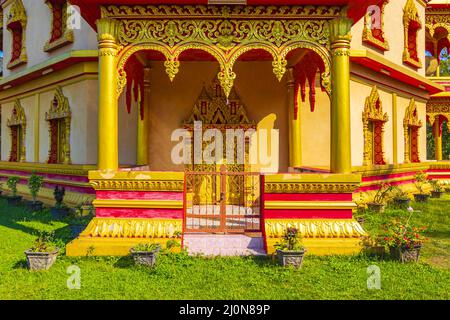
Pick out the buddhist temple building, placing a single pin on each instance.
(218, 124)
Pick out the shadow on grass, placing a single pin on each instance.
(124, 262)
(21, 264)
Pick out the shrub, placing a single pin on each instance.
(34, 184)
(44, 242)
(383, 193)
(421, 181)
(12, 185)
(147, 247)
(403, 235)
(58, 194)
(436, 185)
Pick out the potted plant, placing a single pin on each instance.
(420, 183)
(401, 198)
(34, 184)
(290, 251)
(13, 199)
(380, 198)
(145, 253)
(437, 190)
(59, 210)
(403, 240)
(43, 253)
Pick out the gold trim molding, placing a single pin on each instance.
(18, 118)
(18, 14)
(411, 120)
(73, 170)
(373, 111)
(305, 205)
(67, 33)
(60, 110)
(410, 14)
(138, 204)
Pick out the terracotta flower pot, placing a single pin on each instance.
(41, 260)
(406, 254)
(146, 258)
(376, 207)
(420, 197)
(291, 258)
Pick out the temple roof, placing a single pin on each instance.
(90, 8)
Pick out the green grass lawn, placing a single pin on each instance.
(182, 277)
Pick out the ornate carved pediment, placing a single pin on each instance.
(16, 23)
(373, 109)
(18, 116)
(213, 108)
(59, 107)
(411, 116)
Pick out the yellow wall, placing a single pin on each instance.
(316, 130)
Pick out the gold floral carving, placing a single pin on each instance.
(140, 185)
(18, 14)
(315, 228)
(224, 32)
(367, 35)
(291, 187)
(18, 118)
(373, 111)
(438, 108)
(60, 110)
(132, 228)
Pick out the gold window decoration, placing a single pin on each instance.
(60, 33)
(17, 23)
(411, 125)
(411, 24)
(17, 126)
(59, 117)
(373, 32)
(373, 128)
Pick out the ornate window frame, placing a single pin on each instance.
(59, 111)
(17, 119)
(411, 122)
(411, 25)
(64, 36)
(373, 115)
(377, 40)
(17, 25)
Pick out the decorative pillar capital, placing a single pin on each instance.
(340, 32)
(108, 30)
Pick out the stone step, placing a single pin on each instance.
(223, 245)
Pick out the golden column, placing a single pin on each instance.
(437, 138)
(108, 143)
(143, 126)
(295, 151)
(340, 98)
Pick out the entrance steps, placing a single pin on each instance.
(223, 244)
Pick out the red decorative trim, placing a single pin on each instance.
(139, 195)
(135, 83)
(308, 214)
(378, 142)
(139, 213)
(53, 155)
(414, 144)
(13, 156)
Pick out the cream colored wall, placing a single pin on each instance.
(394, 33)
(38, 33)
(82, 98)
(171, 103)
(315, 128)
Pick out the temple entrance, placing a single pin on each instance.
(221, 193)
(222, 202)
